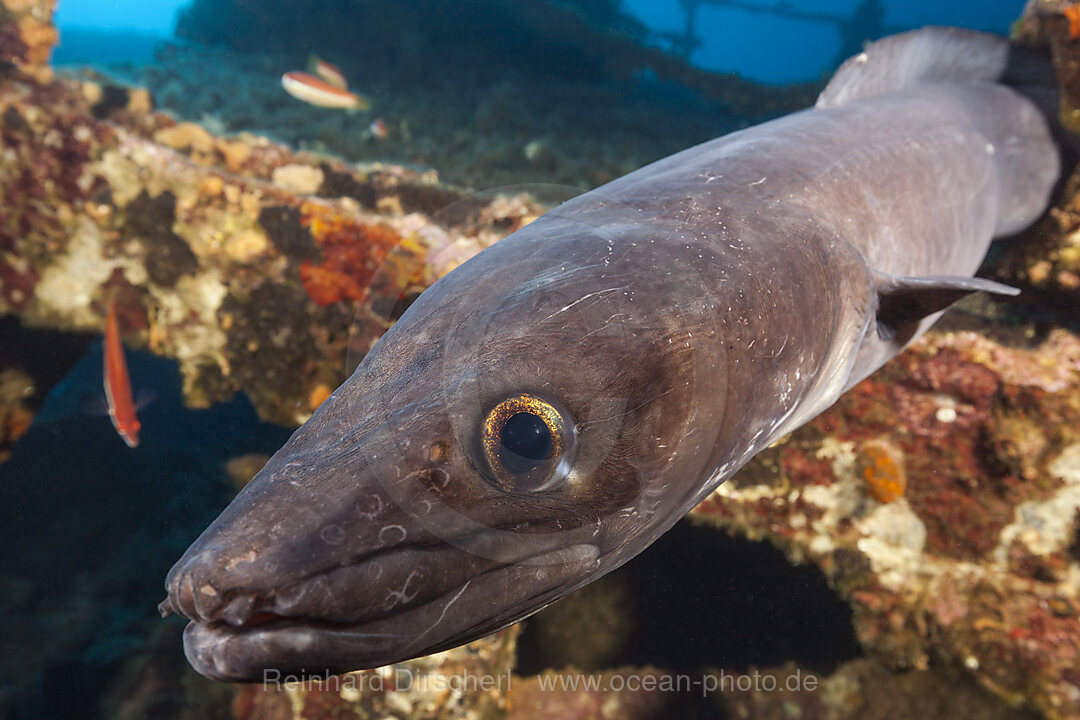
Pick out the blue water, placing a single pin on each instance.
(767, 47)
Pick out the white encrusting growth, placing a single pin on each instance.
(1045, 526)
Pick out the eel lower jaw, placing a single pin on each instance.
(268, 645)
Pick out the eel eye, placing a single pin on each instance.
(528, 443)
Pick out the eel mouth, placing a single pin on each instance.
(247, 640)
(208, 587)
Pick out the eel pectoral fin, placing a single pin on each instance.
(904, 301)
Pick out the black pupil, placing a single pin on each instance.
(526, 442)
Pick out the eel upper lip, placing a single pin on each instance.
(297, 644)
(237, 611)
(196, 596)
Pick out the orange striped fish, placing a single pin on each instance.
(313, 90)
(118, 383)
(328, 71)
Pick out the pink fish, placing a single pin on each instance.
(329, 72)
(118, 383)
(316, 91)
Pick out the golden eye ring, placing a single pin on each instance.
(528, 443)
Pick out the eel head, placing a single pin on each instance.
(529, 424)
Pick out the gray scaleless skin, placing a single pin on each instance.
(678, 320)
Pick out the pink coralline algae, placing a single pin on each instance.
(943, 395)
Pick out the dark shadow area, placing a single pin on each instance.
(700, 600)
(90, 527)
(45, 355)
(703, 598)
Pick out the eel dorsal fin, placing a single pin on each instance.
(929, 55)
(904, 301)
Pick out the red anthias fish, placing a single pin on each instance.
(118, 383)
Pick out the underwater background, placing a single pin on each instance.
(916, 549)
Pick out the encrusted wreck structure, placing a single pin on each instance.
(939, 499)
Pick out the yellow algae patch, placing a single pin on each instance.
(122, 175)
(138, 165)
(390, 205)
(211, 186)
(91, 92)
(40, 37)
(20, 6)
(250, 203)
(193, 341)
(68, 285)
(318, 395)
(140, 101)
(234, 153)
(214, 231)
(298, 178)
(246, 245)
(186, 136)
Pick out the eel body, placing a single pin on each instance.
(545, 411)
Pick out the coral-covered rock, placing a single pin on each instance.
(630, 693)
(16, 391)
(861, 690)
(940, 496)
(467, 682)
(1049, 259)
(27, 36)
(257, 268)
